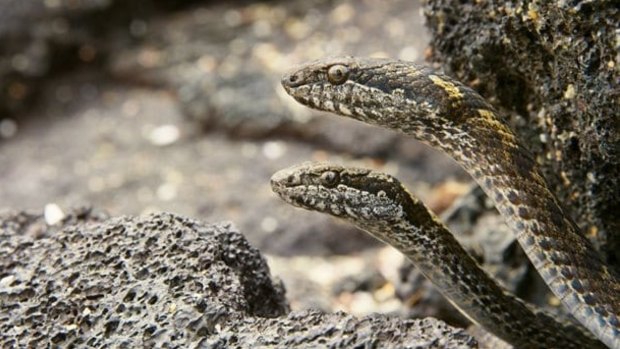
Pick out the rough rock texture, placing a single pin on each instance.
(166, 281)
(482, 231)
(162, 279)
(554, 68)
(313, 329)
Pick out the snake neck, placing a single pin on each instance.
(446, 114)
(481, 143)
(549, 237)
(424, 240)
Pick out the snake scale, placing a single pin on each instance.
(448, 115)
(380, 205)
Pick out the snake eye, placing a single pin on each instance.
(329, 178)
(337, 74)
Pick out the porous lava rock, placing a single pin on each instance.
(167, 281)
(552, 67)
(161, 280)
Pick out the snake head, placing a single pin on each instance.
(325, 84)
(361, 196)
(361, 88)
(391, 93)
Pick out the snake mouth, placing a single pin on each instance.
(286, 191)
(277, 186)
(283, 181)
(291, 184)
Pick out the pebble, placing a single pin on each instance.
(274, 150)
(53, 214)
(7, 280)
(164, 135)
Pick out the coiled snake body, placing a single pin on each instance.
(448, 115)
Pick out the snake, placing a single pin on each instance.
(448, 115)
(380, 205)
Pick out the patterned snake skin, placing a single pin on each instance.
(445, 114)
(380, 205)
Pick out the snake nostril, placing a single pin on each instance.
(293, 79)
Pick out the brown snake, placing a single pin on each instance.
(380, 205)
(448, 115)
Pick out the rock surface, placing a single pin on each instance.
(313, 329)
(166, 281)
(225, 62)
(554, 68)
(39, 39)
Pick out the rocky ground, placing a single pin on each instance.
(165, 281)
(156, 107)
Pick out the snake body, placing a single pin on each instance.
(448, 115)
(380, 205)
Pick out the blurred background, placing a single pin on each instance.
(154, 105)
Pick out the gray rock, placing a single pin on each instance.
(166, 281)
(482, 231)
(552, 67)
(160, 280)
(313, 329)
